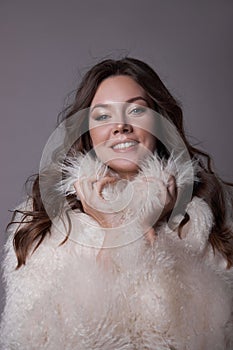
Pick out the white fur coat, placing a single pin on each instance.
(174, 294)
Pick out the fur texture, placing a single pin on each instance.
(174, 294)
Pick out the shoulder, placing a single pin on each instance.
(71, 237)
(195, 233)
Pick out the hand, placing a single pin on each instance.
(168, 195)
(151, 210)
(89, 191)
(158, 200)
(158, 194)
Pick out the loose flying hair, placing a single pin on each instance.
(35, 223)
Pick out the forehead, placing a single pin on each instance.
(117, 89)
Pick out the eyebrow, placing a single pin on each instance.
(98, 105)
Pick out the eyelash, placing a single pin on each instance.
(134, 111)
(102, 117)
(137, 110)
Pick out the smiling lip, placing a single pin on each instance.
(124, 145)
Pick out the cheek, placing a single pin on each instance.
(150, 142)
(98, 135)
(147, 134)
(150, 132)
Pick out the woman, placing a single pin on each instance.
(126, 239)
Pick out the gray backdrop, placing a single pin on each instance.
(47, 45)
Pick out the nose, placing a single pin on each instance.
(122, 128)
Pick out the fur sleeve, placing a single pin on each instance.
(23, 310)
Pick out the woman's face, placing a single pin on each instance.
(121, 125)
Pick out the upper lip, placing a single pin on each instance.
(124, 140)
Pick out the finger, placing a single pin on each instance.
(103, 182)
(93, 182)
(77, 186)
(91, 191)
(171, 194)
(171, 182)
(172, 188)
(83, 189)
(87, 188)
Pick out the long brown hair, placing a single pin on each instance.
(35, 223)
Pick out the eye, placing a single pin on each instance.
(137, 110)
(102, 117)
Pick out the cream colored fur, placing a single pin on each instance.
(174, 294)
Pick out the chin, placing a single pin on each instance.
(124, 166)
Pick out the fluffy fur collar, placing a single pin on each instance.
(131, 195)
(175, 294)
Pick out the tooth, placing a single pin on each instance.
(124, 145)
